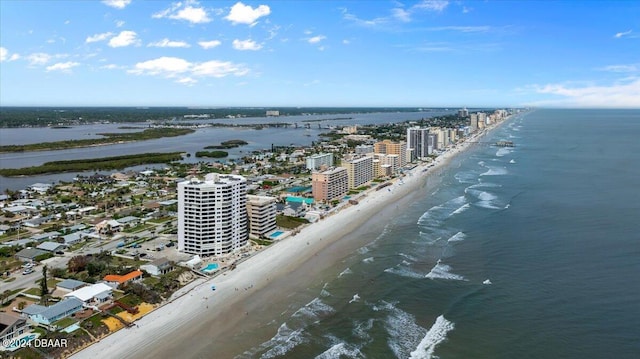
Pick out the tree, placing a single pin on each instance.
(4, 296)
(44, 289)
(77, 264)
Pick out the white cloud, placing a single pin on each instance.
(316, 39)
(120, 23)
(401, 14)
(4, 55)
(187, 72)
(190, 11)
(622, 94)
(466, 10)
(219, 69)
(111, 67)
(124, 38)
(187, 81)
(98, 37)
(432, 5)
(169, 66)
(246, 45)
(622, 34)
(67, 22)
(39, 58)
(622, 68)
(62, 66)
(245, 14)
(209, 44)
(168, 43)
(346, 42)
(118, 4)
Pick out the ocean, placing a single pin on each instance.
(524, 252)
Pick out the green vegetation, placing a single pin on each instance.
(33, 291)
(106, 163)
(212, 154)
(64, 322)
(262, 242)
(289, 222)
(109, 138)
(227, 144)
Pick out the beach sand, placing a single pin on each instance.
(200, 319)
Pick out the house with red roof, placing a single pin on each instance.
(115, 280)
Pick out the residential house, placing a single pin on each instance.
(115, 280)
(11, 326)
(51, 246)
(48, 315)
(92, 295)
(158, 267)
(29, 254)
(69, 285)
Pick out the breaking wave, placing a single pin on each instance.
(436, 335)
(442, 271)
(341, 350)
(457, 237)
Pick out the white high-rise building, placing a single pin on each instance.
(212, 215)
(417, 141)
(316, 161)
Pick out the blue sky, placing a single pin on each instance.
(433, 53)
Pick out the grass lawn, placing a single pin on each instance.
(139, 228)
(151, 281)
(289, 222)
(95, 320)
(131, 300)
(33, 291)
(160, 220)
(65, 322)
(262, 242)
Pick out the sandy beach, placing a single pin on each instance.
(198, 316)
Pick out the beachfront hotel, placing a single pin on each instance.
(388, 147)
(261, 211)
(330, 184)
(212, 215)
(418, 142)
(359, 170)
(318, 161)
(385, 165)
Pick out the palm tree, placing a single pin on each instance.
(44, 289)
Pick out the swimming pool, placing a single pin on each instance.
(300, 200)
(275, 234)
(211, 267)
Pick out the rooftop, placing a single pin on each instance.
(122, 278)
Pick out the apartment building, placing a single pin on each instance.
(212, 215)
(359, 170)
(261, 211)
(330, 184)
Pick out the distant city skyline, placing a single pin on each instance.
(428, 53)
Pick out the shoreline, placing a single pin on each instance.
(196, 317)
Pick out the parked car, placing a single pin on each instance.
(27, 271)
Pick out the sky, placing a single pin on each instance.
(421, 53)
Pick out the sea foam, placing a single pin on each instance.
(458, 237)
(436, 335)
(341, 350)
(442, 271)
